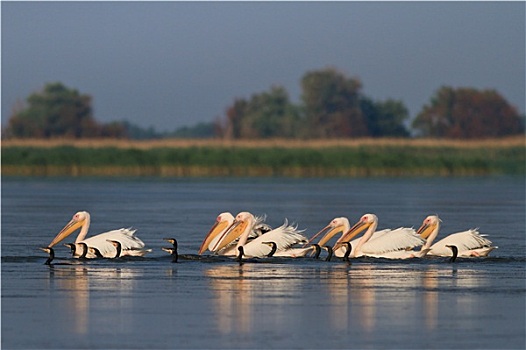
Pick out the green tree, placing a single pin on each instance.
(58, 111)
(332, 104)
(385, 119)
(270, 114)
(266, 115)
(468, 113)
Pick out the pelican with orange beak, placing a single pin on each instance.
(130, 244)
(221, 226)
(340, 225)
(284, 237)
(223, 222)
(391, 244)
(469, 243)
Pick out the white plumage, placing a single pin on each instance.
(469, 243)
(390, 244)
(284, 236)
(130, 244)
(223, 223)
(385, 243)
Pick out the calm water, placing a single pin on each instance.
(213, 302)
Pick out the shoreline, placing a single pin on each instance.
(265, 158)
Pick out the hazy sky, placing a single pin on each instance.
(173, 64)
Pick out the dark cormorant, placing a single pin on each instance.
(454, 249)
(329, 251)
(118, 248)
(348, 251)
(273, 247)
(73, 247)
(51, 253)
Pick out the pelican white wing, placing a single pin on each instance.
(130, 244)
(468, 243)
(385, 244)
(284, 236)
(398, 239)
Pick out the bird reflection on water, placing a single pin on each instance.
(248, 294)
(81, 286)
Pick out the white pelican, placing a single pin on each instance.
(131, 245)
(222, 224)
(391, 245)
(469, 243)
(284, 236)
(341, 225)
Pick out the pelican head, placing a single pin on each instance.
(222, 224)
(80, 219)
(243, 221)
(430, 225)
(335, 226)
(365, 222)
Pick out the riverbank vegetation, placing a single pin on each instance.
(275, 157)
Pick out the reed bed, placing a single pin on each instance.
(266, 143)
(317, 158)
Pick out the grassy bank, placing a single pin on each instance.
(366, 157)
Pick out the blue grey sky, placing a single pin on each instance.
(173, 64)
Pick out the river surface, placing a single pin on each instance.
(214, 302)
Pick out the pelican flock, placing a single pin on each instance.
(242, 229)
(246, 236)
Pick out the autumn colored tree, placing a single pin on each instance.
(468, 113)
(332, 104)
(230, 128)
(58, 111)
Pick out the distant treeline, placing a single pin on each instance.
(382, 159)
(332, 105)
